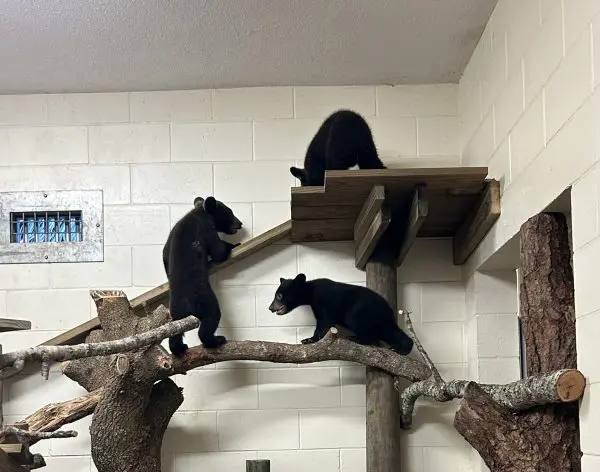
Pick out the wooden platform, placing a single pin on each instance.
(462, 203)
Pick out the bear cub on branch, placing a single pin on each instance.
(192, 241)
(343, 141)
(361, 310)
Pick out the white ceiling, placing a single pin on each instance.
(121, 45)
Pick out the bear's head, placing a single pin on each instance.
(290, 294)
(300, 174)
(225, 221)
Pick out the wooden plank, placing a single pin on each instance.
(7, 465)
(239, 253)
(322, 230)
(434, 177)
(479, 222)
(325, 212)
(75, 335)
(370, 239)
(7, 324)
(418, 214)
(369, 210)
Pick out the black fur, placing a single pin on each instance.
(343, 141)
(359, 309)
(191, 242)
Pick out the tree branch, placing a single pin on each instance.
(26, 437)
(45, 354)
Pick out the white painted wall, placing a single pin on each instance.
(530, 109)
(152, 153)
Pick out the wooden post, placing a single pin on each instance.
(259, 465)
(383, 405)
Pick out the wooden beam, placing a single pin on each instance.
(13, 325)
(418, 213)
(161, 292)
(478, 223)
(366, 246)
(383, 405)
(322, 230)
(7, 465)
(372, 205)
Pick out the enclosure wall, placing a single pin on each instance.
(151, 154)
(530, 109)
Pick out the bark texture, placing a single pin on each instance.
(545, 438)
(137, 398)
(383, 408)
(548, 316)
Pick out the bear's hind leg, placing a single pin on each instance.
(177, 346)
(208, 326)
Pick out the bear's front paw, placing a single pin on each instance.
(309, 340)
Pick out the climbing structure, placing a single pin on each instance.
(457, 202)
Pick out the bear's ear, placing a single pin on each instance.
(281, 280)
(301, 278)
(210, 205)
(198, 201)
(300, 174)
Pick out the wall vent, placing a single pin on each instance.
(51, 226)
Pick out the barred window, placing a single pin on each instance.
(51, 226)
(46, 227)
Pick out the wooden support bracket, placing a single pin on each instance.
(372, 221)
(478, 223)
(418, 213)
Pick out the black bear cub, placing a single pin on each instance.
(343, 141)
(359, 309)
(191, 243)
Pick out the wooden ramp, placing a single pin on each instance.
(159, 294)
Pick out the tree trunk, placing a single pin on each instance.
(383, 406)
(545, 438)
(548, 319)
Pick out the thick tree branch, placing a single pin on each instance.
(561, 386)
(45, 354)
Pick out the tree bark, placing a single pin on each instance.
(548, 319)
(383, 407)
(544, 438)
(137, 398)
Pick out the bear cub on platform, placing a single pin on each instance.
(343, 141)
(192, 241)
(361, 310)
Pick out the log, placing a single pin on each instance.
(383, 408)
(544, 438)
(259, 465)
(548, 321)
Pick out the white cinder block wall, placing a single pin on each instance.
(152, 153)
(530, 109)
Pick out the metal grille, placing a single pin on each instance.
(46, 227)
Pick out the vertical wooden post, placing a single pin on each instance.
(258, 465)
(548, 323)
(383, 406)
